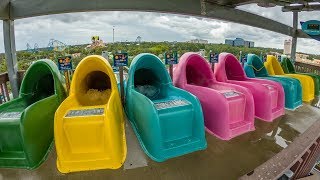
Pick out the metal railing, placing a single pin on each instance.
(297, 159)
(5, 86)
(307, 68)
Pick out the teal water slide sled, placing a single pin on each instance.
(254, 67)
(168, 121)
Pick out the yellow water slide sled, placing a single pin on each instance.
(89, 124)
(274, 68)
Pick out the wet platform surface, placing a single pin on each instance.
(221, 160)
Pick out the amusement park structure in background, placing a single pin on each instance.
(96, 42)
(138, 40)
(55, 45)
(34, 49)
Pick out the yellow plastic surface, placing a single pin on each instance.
(90, 142)
(274, 68)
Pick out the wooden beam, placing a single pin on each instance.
(246, 18)
(29, 8)
(301, 7)
(4, 9)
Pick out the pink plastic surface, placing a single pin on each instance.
(228, 109)
(268, 95)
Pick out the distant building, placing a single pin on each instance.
(76, 55)
(239, 42)
(202, 52)
(316, 62)
(198, 41)
(249, 44)
(274, 53)
(230, 42)
(105, 54)
(302, 57)
(287, 47)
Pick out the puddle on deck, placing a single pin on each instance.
(221, 160)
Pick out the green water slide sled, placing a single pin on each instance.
(26, 123)
(288, 67)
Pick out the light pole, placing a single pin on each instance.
(113, 34)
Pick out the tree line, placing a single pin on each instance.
(25, 58)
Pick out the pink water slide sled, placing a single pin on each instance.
(268, 95)
(228, 109)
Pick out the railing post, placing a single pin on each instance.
(11, 58)
(294, 35)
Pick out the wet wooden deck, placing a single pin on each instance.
(299, 157)
(221, 160)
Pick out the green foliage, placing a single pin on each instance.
(24, 64)
(3, 66)
(313, 56)
(25, 58)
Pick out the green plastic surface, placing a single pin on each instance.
(288, 67)
(26, 123)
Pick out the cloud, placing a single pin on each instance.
(77, 28)
(275, 13)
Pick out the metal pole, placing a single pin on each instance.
(212, 60)
(294, 36)
(66, 74)
(171, 71)
(212, 66)
(121, 84)
(113, 34)
(11, 56)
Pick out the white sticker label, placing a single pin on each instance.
(85, 112)
(268, 86)
(231, 94)
(172, 103)
(10, 115)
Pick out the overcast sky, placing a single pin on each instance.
(77, 28)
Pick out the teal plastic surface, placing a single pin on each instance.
(288, 68)
(168, 121)
(292, 87)
(26, 123)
